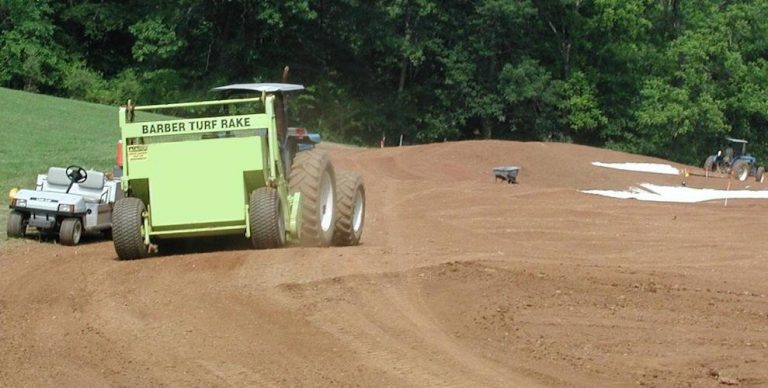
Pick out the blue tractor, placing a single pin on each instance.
(736, 161)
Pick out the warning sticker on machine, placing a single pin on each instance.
(137, 152)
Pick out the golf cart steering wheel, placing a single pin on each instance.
(76, 174)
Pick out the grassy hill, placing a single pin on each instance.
(41, 131)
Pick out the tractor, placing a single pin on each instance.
(232, 168)
(736, 161)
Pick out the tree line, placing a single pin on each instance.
(669, 78)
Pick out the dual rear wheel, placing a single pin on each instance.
(332, 206)
(350, 208)
(313, 176)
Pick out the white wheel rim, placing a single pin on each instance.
(743, 175)
(326, 202)
(357, 214)
(77, 232)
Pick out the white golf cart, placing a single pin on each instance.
(67, 201)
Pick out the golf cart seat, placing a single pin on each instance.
(92, 190)
(57, 180)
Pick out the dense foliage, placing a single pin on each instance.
(660, 77)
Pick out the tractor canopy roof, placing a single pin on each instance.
(732, 140)
(260, 87)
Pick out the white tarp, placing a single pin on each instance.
(681, 194)
(642, 167)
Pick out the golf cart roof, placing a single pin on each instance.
(261, 87)
(735, 140)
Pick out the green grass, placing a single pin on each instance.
(40, 131)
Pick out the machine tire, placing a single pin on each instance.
(350, 206)
(760, 174)
(709, 164)
(266, 218)
(17, 224)
(313, 176)
(70, 232)
(127, 223)
(740, 170)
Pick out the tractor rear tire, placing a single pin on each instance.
(740, 170)
(266, 219)
(313, 176)
(127, 225)
(70, 232)
(710, 165)
(17, 224)
(351, 209)
(760, 174)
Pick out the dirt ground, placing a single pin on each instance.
(459, 281)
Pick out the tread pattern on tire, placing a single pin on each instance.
(17, 225)
(265, 216)
(306, 176)
(126, 229)
(760, 175)
(348, 184)
(68, 229)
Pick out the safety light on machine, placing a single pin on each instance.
(12, 193)
(66, 208)
(120, 153)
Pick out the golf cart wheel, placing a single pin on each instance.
(17, 224)
(312, 175)
(70, 232)
(266, 219)
(760, 174)
(350, 208)
(709, 164)
(127, 225)
(741, 170)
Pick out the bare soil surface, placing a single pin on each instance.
(459, 281)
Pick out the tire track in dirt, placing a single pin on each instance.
(459, 281)
(409, 345)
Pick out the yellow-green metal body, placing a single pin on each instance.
(195, 175)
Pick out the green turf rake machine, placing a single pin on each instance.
(232, 168)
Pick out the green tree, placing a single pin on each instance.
(30, 58)
(713, 83)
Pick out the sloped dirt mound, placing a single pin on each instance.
(547, 324)
(545, 165)
(607, 323)
(459, 281)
